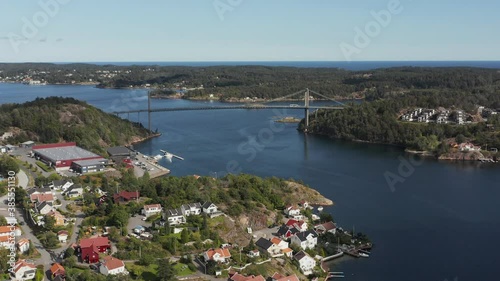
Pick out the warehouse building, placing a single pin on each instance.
(119, 153)
(87, 166)
(61, 156)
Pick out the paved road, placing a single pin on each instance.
(46, 258)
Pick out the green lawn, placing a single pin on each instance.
(145, 272)
(182, 269)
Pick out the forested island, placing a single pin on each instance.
(56, 119)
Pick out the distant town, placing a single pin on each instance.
(447, 116)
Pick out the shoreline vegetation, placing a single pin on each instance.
(388, 93)
(68, 119)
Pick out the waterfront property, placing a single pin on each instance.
(61, 156)
(306, 262)
(326, 227)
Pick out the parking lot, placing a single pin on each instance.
(144, 163)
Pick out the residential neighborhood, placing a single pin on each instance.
(57, 209)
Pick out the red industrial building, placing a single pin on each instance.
(62, 156)
(90, 248)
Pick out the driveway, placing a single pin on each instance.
(135, 221)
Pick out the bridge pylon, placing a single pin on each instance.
(306, 109)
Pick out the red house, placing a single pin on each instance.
(90, 248)
(126, 196)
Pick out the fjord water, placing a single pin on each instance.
(441, 223)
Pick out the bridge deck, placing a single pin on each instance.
(229, 107)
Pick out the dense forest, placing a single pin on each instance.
(56, 119)
(263, 82)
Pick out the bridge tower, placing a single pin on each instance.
(149, 112)
(306, 105)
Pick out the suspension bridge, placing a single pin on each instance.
(266, 105)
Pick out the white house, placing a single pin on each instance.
(209, 208)
(268, 247)
(62, 236)
(150, 210)
(325, 228)
(6, 230)
(23, 245)
(280, 243)
(3, 149)
(305, 240)
(292, 211)
(7, 242)
(306, 263)
(62, 184)
(44, 208)
(217, 255)
(191, 209)
(112, 266)
(298, 224)
(175, 216)
(253, 254)
(73, 191)
(23, 270)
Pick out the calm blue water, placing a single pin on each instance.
(355, 65)
(442, 222)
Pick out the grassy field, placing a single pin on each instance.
(182, 269)
(43, 166)
(147, 273)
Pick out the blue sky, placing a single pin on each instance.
(249, 30)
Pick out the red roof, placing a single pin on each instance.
(292, 222)
(126, 195)
(112, 263)
(23, 263)
(223, 252)
(288, 278)
(42, 197)
(57, 269)
(97, 242)
(240, 277)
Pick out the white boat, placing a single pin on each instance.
(158, 157)
(320, 208)
(363, 255)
